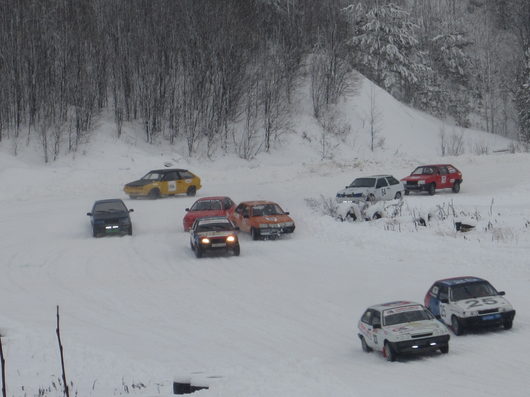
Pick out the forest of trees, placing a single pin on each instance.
(221, 74)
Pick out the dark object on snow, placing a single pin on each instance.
(110, 217)
(463, 227)
(186, 388)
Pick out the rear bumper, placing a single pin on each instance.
(416, 187)
(421, 345)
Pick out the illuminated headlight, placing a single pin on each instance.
(230, 239)
(205, 240)
(421, 182)
(110, 227)
(432, 343)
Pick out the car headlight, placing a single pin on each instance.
(287, 224)
(421, 182)
(205, 240)
(230, 239)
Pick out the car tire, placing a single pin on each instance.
(364, 345)
(456, 187)
(370, 198)
(198, 252)
(192, 190)
(237, 250)
(432, 189)
(444, 349)
(254, 233)
(132, 197)
(398, 196)
(389, 353)
(508, 324)
(376, 216)
(407, 192)
(129, 232)
(94, 233)
(154, 194)
(456, 326)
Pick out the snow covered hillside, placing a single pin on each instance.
(280, 320)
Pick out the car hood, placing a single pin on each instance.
(139, 183)
(418, 327)
(484, 303)
(271, 219)
(351, 191)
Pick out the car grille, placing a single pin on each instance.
(412, 183)
(488, 311)
(421, 335)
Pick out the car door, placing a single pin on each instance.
(381, 189)
(238, 217)
(394, 187)
(433, 303)
(378, 337)
(170, 183)
(366, 328)
(444, 177)
(444, 311)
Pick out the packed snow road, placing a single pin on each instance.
(280, 320)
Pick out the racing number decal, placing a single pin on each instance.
(383, 191)
(475, 302)
(444, 178)
(172, 186)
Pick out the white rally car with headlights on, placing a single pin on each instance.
(401, 327)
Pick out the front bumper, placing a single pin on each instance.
(415, 187)
(275, 231)
(112, 229)
(487, 320)
(421, 345)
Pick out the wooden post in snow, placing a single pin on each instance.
(66, 392)
(3, 364)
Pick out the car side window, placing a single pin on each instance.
(239, 209)
(227, 203)
(443, 293)
(443, 170)
(185, 175)
(367, 317)
(381, 182)
(434, 291)
(171, 176)
(392, 181)
(246, 211)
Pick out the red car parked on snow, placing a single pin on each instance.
(428, 178)
(206, 207)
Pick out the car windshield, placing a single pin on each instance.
(153, 176)
(363, 182)
(214, 225)
(266, 209)
(393, 316)
(423, 171)
(473, 290)
(111, 206)
(206, 205)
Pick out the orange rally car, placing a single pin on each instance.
(262, 219)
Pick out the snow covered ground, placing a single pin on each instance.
(280, 320)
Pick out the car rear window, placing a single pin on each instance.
(186, 175)
(206, 205)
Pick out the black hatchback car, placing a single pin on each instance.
(110, 217)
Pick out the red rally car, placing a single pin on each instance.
(207, 207)
(429, 178)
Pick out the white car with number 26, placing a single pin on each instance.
(401, 327)
(372, 188)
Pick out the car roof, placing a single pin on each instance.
(166, 170)
(436, 165)
(213, 198)
(393, 305)
(212, 218)
(108, 201)
(257, 202)
(459, 280)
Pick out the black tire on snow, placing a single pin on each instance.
(432, 189)
(407, 192)
(508, 324)
(192, 190)
(254, 233)
(456, 187)
(456, 326)
(364, 345)
(237, 250)
(398, 195)
(129, 232)
(389, 353)
(154, 194)
(198, 252)
(444, 349)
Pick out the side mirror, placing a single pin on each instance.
(131, 210)
(187, 209)
(445, 300)
(286, 213)
(376, 326)
(89, 213)
(502, 293)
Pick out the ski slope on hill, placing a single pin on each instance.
(280, 320)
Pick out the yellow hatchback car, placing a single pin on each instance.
(165, 182)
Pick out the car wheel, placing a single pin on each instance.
(444, 349)
(456, 187)
(192, 190)
(364, 345)
(432, 189)
(94, 232)
(154, 194)
(389, 353)
(132, 197)
(407, 192)
(508, 324)
(370, 198)
(129, 232)
(237, 250)
(398, 196)
(456, 326)
(254, 233)
(198, 252)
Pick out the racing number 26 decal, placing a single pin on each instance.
(476, 302)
